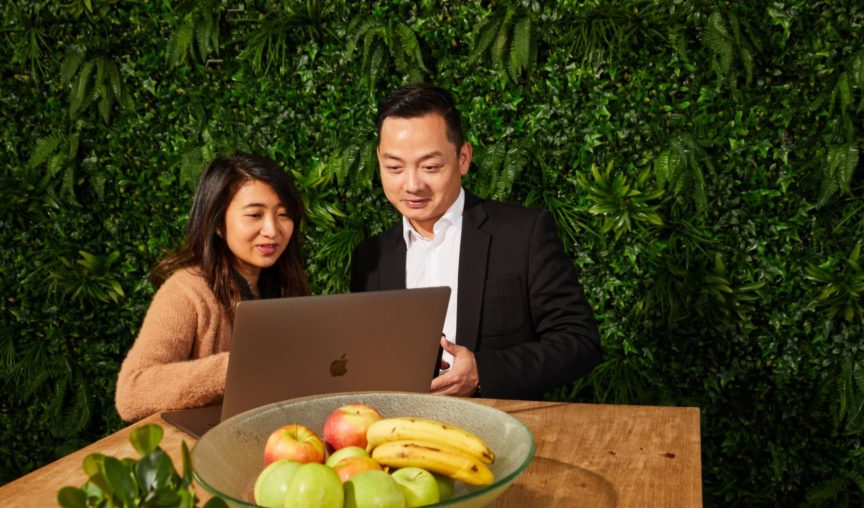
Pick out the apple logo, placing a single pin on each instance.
(339, 367)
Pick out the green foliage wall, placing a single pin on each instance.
(701, 159)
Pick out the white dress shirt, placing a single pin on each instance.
(435, 261)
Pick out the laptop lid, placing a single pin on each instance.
(294, 347)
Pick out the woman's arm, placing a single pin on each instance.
(175, 362)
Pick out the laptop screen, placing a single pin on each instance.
(292, 347)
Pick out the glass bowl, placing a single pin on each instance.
(228, 458)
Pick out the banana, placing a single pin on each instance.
(434, 458)
(429, 431)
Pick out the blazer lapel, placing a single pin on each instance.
(392, 264)
(473, 253)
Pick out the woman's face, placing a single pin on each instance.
(257, 229)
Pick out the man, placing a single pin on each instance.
(518, 324)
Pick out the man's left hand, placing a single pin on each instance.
(462, 379)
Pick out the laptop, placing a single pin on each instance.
(284, 348)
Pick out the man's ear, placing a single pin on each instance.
(465, 154)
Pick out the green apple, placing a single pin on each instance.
(373, 489)
(272, 482)
(314, 486)
(418, 485)
(445, 486)
(344, 453)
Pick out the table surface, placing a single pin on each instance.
(590, 455)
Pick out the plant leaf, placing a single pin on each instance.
(145, 439)
(121, 480)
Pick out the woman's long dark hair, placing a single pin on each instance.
(205, 247)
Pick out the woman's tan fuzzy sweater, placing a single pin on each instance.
(180, 358)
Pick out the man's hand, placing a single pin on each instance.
(462, 379)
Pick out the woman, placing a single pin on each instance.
(238, 246)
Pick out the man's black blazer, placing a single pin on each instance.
(520, 306)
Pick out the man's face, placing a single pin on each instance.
(421, 170)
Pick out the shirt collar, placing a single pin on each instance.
(452, 216)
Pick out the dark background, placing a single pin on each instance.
(701, 159)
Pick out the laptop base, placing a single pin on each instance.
(195, 421)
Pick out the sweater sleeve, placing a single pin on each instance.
(161, 371)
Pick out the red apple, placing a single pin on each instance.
(346, 426)
(346, 468)
(294, 442)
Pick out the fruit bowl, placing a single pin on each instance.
(228, 458)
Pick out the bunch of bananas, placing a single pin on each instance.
(432, 445)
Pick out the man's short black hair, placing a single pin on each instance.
(420, 99)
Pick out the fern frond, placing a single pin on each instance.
(857, 478)
(55, 401)
(409, 45)
(360, 28)
(67, 187)
(486, 34)
(368, 166)
(747, 61)
(826, 491)
(99, 78)
(269, 45)
(520, 47)
(698, 187)
(847, 166)
(349, 159)
(716, 37)
(70, 64)
(498, 49)
(514, 162)
(856, 70)
(376, 64)
(45, 147)
(494, 157)
(81, 89)
(104, 106)
(844, 90)
(180, 41)
(207, 35)
(77, 412)
(677, 163)
(500, 46)
(662, 169)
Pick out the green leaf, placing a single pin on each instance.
(121, 480)
(71, 63)
(207, 35)
(155, 471)
(487, 33)
(146, 438)
(180, 41)
(522, 35)
(114, 79)
(93, 463)
(45, 147)
(71, 497)
(187, 464)
(662, 167)
(409, 45)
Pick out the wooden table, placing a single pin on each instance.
(588, 455)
